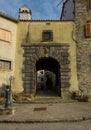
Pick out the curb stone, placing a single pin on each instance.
(47, 121)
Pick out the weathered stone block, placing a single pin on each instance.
(64, 62)
(65, 54)
(65, 84)
(65, 70)
(65, 74)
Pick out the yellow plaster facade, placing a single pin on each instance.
(7, 49)
(31, 33)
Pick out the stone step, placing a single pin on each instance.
(46, 100)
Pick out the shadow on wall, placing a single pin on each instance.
(2, 90)
(2, 94)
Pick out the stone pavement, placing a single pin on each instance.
(48, 112)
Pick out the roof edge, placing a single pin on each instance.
(46, 20)
(63, 8)
(8, 17)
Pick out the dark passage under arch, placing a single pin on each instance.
(48, 76)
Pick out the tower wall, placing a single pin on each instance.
(25, 13)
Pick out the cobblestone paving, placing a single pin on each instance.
(84, 125)
(56, 111)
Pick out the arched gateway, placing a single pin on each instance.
(53, 59)
(48, 76)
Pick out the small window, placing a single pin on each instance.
(90, 4)
(5, 65)
(88, 29)
(47, 36)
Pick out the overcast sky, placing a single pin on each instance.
(41, 9)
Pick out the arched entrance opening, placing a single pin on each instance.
(48, 77)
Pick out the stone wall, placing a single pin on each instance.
(83, 44)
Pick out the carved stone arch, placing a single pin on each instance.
(32, 53)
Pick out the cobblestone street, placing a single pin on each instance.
(48, 116)
(84, 125)
(49, 112)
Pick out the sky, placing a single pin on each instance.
(41, 9)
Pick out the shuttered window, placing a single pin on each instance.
(88, 29)
(5, 35)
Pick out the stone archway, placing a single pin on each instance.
(57, 53)
(48, 76)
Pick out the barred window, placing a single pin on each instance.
(47, 35)
(5, 65)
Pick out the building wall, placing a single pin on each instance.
(82, 16)
(68, 10)
(7, 49)
(31, 33)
